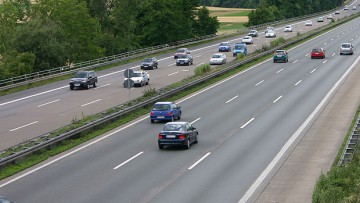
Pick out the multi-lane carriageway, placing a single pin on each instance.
(242, 130)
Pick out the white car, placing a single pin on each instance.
(140, 79)
(329, 16)
(346, 7)
(354, 7)
(269, 29)
(247, 40)
(288, 28)
(308, 23)
(337, 12)
(270, 33)
(218, 58)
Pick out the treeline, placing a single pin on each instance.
(231, 3)
(272, 10)
(53, 33)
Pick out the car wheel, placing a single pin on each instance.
(179, 117)
(187, 146)
(152, 120)
(274, 61)
(87, 86)
(94, 85)
(340, 53)
(196, 139)
(147, 83)
(71, 87)
(161, 146)
(172, 118)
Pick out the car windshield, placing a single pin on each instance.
(161, 107)
(239, 46)
(173, 127)
(252, 31)
(246, 37)
(181, 51)
(345, 46)
(136, 75)
(147, 60)
(224, 44)
(280, 52)
(216, 56)
(81, 75)
(183, 56)
(288, 26)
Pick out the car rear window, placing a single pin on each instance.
(345, 46)
(161, 107)
(316, 50)
(81, 75)
(173, 127)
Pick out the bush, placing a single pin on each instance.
(149, 92)
(240, 56)
(277, 42)
(200, 70)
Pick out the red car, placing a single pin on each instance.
(318, 53)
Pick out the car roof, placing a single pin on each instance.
(164, 102)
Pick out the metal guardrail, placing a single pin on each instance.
(348, 153)
(117, 115)
(64, 70)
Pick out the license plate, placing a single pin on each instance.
(181, 62)
(161, 117)
(146, 66)
(76, 85)
(170, 136)
(279, 55)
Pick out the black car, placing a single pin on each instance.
(178, 134)
(83, 79)
(184, 59)
(149, 63)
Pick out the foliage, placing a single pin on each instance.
(202, 69)
(61, 32)
(149, 92)
(240, 56)
(277, 42)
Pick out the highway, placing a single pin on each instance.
(30, 113)
(245, 122)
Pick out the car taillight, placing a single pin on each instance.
(151, 113)
(182, 136)
(161, 136)
(169, 113)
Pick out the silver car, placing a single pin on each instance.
(346, 48)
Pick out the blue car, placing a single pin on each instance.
(165, 111)
(281, 55)
(240, 48)
(224, 46)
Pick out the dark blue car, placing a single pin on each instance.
(165, 111)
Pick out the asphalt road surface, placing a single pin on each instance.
(38, 111)
(246, 124)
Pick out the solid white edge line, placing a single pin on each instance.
(23, 126)
(195, 120)
(277, 99)
(48, 103)
(127, 161)
(202, 158)
(91, 102)
(247, 123)
(231, 99)
(278, 156)
(72, 152)
(200, 64)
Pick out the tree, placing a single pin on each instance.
(205, 24)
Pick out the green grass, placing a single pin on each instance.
(241, 13)
(231, 26)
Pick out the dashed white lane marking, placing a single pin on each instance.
(333, 54)
(231, 99)
(295, 61)
(172, 64)
(247, 123)
(307, 54)
(313, 70)
(202, 158)
(48, 103)
(127, 161)
(277, 99)
(259, 83)
(103, 86)
(23, 126)
(325, 61)
(173, 73)
(196, 120)
(298, 82)
(91, 102)
(184, 70)
(200, 64)
(279, 70)
(325, 43)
